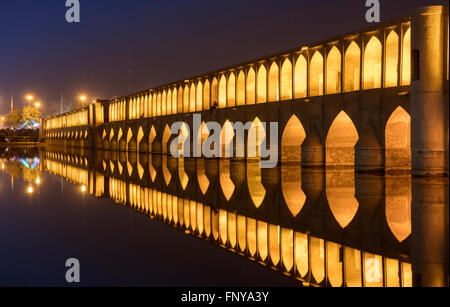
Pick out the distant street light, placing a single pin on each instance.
(30, 190)
(38, 181)
(37, 104)
(83, 98)
(30, 98)
(83, 188)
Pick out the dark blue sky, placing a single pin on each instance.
(164, 41)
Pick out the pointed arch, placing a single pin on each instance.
(199, 100)
(203, 134)
(256, 135)
(186, 97)
(391, 58)
(291, 142)
(273, 83)
(180, 100)
(372, 64)
(164, 103)
(254, 183)
(169, 102)
(223, 92)
(301, 77)
(398, 206)
(214, 92)
(316, 75)
(334, 71)
(340, 191)
(226, 140)
(352, 68)
(406, 58)
(226, 183)
(158, 103)
(240, 89)
(291, 187)
(261, 91)
(341, 140)
(192, 98)
(151, 138)
(231, 91)
(203, 180)
(286, 80)
(206, 95)
(251, 86)
(398, 140)
(175, 101)
(140, 136)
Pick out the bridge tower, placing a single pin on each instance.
(429, 90)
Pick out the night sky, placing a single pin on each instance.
(163, 41)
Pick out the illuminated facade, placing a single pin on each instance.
(363, 78)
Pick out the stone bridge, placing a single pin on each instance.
(376, 99)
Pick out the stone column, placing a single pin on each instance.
(428, 77)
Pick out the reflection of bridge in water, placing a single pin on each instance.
(323, 227)
(374, 98)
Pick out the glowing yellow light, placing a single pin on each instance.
(3, 118)
(83, 188)
(83, 98)
(38, 180)
(37, 104)
(30, 190)
(29, 98)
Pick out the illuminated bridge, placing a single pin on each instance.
(375, 98)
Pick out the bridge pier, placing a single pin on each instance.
(428, 98)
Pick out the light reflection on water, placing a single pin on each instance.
(319, 227)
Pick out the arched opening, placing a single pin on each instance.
(398, 206)
(341, 141)
(206, 96)
(273, 83)
(174, 101)
(140, 136)
(352, 68)
(392, 48)
(406, 58)
(203, 180)
(223, 92)
(334, 71)
(231, 91)
(158, 104)
(286, 80)
(183, 136)
(166, 171)
(151, 138)
(180, 100)
(169, 102)
(251, 85)
(226, 140)
(254, 182)
(398, 141)
(301, 77)
(214, 92)
(192, 98)
(166, 136)
(240, 89)
(226, 183)
(291, 142)
(164, 103)
(372, 64)
(186, 97)
(261, 91)
(182, 175)
(316, 75)
(131, 144)
(199, 100)
(256, 136)
(291, 186)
